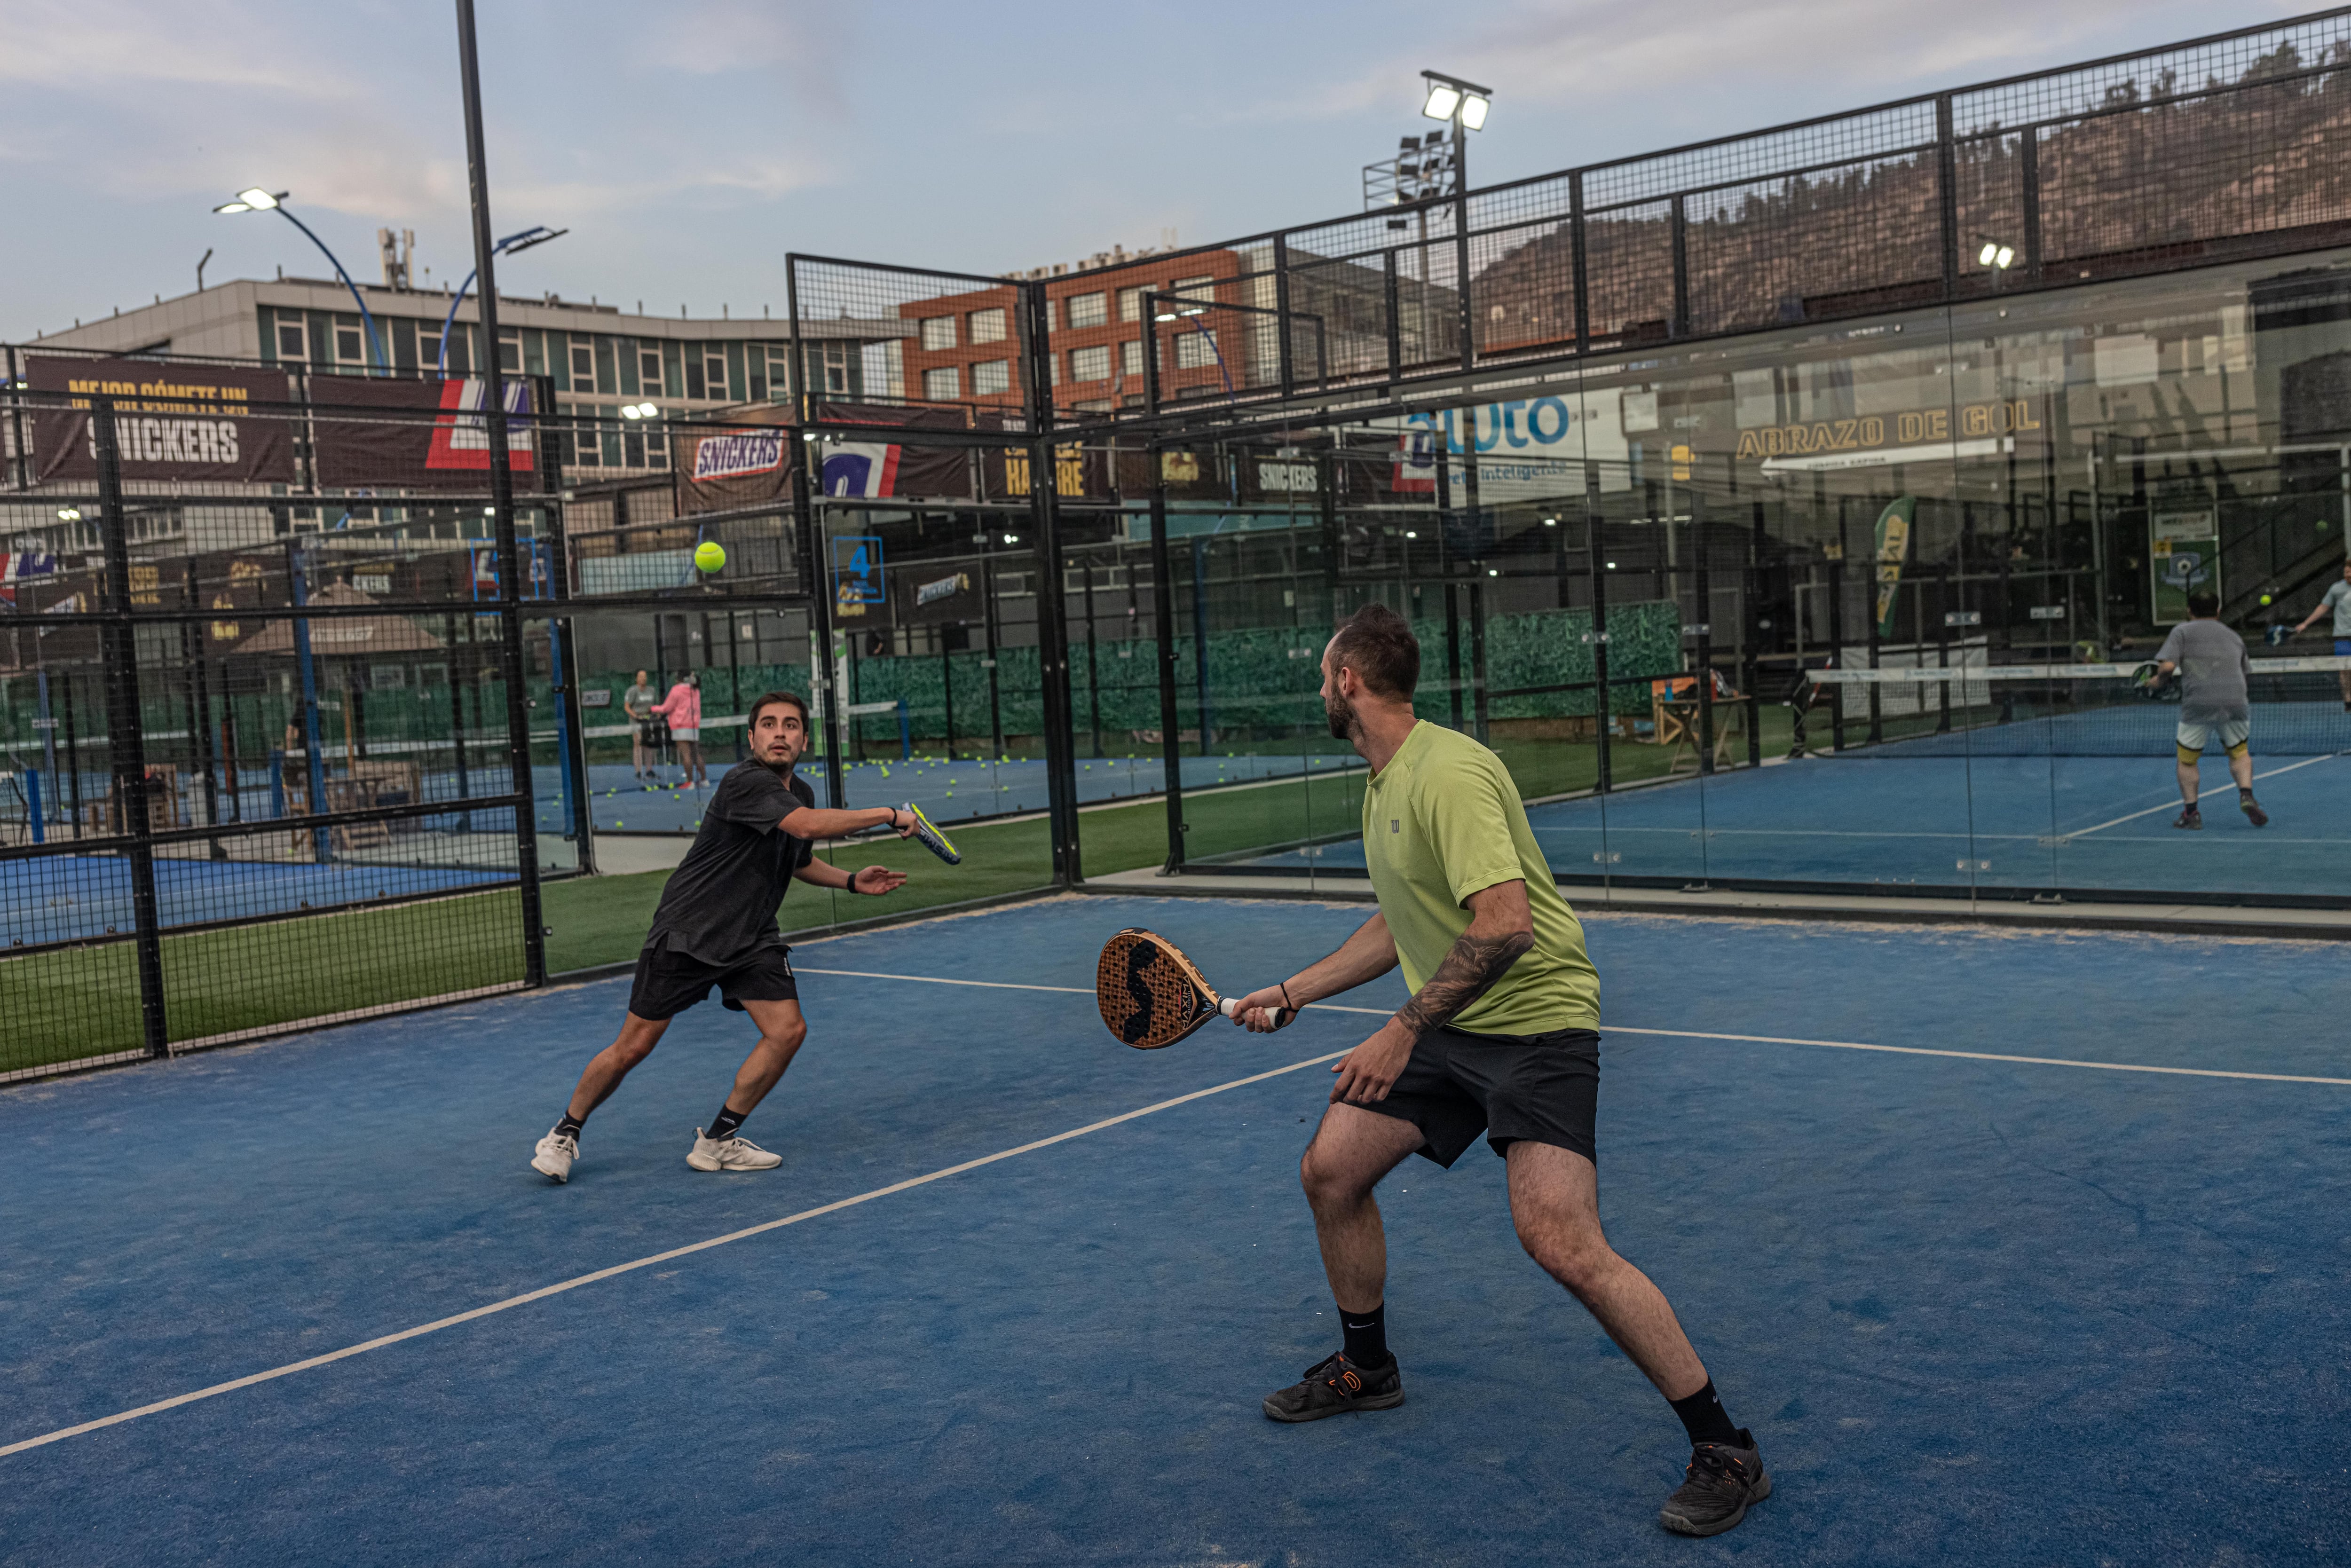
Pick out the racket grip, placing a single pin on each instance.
(1232, 1009)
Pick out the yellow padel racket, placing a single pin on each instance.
(1151, 994)
(931, 839)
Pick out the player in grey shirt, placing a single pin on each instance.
(2212, 667)
(2338, 599)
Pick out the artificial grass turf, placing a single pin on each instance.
(78, 1003)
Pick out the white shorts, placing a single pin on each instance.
(694, 737)
(2198, 737)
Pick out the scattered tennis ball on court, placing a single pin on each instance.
(709, 555)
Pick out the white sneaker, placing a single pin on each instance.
(554, 1156)
(730, 1154)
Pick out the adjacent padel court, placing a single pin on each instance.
(2010, 1249)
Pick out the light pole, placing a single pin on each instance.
(258, 200)
(1464, 104)
(539, 234)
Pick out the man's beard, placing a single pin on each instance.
(1341, 715)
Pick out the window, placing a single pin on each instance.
(1089, 364)
(1130, 356)
(290, 340)
(1195, 348)
(649, 371)
(590, 443)
(938, 332)
(510, 349)
(347, 341)
(991, 376)
(779, 372)
(987, 326)
(1053, 364)
(428, 348)
(583, 367)
(1130, 304)
(836, 367)
(1201, 288)
(941, 386)
(1089, 310)
(714, 372)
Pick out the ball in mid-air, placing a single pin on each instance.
(709, 556)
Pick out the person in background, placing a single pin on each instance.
(644, 751)
(2209, 662)
(683, 709)
(2338, 599)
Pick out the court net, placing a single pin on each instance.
(2297, 709)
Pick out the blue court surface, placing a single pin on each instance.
(71, 898)
(2088, 822)
(945, 790)
(2087, 1309)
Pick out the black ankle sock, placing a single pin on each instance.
(568, 1127)
(1367, 1336)
(725, 1123)
(1703, 1414)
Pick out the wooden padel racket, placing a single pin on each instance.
(1151, 994)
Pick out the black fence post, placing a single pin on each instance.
(2029, 177)
(1596, 557)
(125, 743)
(1282, 356)
(563, 646)
(1163, 620)
(1576, 247)
(1703, 592)
(511, 586)
(1947, 192)
(1752, 677)
(820, 600)
(1680, 226)
(1059, 713)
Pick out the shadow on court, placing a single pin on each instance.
(1977, 1312)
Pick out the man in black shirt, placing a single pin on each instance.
(715, 924)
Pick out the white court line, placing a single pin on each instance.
(2151, 810)
(618, 1269)
(1701, 1034)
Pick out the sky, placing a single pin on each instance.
(689, 145)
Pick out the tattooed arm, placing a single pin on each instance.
(1501, 928)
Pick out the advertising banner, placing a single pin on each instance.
(732, 468)
(176, 422)
(859, 597)
(449, 451)
(1893, 550)
(938, 595)
(2183, 558)
(1528, 449)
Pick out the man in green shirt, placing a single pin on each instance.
(1502, 1036)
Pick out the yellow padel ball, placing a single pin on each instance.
(709, 556)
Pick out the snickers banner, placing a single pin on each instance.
(174, 422)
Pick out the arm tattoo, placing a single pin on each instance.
(1467, 972)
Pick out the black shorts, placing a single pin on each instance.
(1545, 1087)
(668, 983)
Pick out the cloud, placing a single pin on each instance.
(804, 45)
(90, 43)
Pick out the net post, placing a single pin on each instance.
(125, 743)
(571, 717)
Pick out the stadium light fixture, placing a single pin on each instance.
(1442, 102)
(1465, 103)
(640, 411)
(1996, 255)
(68, 514)
(1473, 111)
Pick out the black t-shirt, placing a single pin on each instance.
(721, 902)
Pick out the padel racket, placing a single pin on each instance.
(930, 838)
(1151, 994)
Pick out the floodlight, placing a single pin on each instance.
(68, 514)
(1410, 534)
(1491, 572)
(1473, 111)
(1983, 257)
(259, 200)
(1442, 102)
(1012, 539)
(234, 207)
(629, 411)
(2006, 256)
(1550, 522)
(1165, 316)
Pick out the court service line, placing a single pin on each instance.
(544, 1292)
(2151, 810)
(1704, 1034)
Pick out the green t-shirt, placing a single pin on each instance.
(1441, 822)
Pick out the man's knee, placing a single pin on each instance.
(1577, 1255)
(1328, 1184)
(786, 1035)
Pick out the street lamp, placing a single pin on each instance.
(537, 233)
(258, 200)
(1996, 255)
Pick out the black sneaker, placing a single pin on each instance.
(2191, 819)
(1334, 1387)
(1723, 1482)
(2253, 810)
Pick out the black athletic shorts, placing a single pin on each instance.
(1545, 1087)
(668, 983)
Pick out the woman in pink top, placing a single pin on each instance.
(682, 710)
